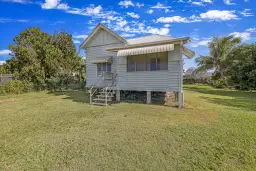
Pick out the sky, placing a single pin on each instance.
(197, 19)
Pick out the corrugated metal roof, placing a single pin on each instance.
(147, 39)
(146, 50)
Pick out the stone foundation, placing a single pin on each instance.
(171, 99)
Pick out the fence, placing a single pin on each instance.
(4, 78)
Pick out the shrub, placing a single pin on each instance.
(219, 83)
(16, 87)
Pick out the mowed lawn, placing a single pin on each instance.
(60, 131)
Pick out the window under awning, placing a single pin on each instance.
(99, 60)
(146, 50)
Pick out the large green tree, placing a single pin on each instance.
(220, 48)
(39, 57)
(241, 67)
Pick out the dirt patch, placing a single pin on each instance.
(9, 101)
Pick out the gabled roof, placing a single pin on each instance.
(97, 28)
(142, 42)
(151, 43)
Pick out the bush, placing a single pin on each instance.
(16, 87)
(219, 83)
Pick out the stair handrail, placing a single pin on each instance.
(95, 84)
(106, 89)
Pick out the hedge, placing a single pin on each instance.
(15, 87)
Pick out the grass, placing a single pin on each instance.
(59, 131)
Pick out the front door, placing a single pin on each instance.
(104, 72)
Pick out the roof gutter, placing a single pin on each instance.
(184, 40)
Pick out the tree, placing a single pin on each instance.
(220, 48)
(241, 67)
(193, 76)
(40, 58)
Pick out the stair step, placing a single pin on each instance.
(98, 99)
(109, 94)
(107, 90)
(98, 104)
(103, 96)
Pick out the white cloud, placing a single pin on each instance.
(9, 20)
(196, 41)
(17, 1)
(229, 2)
(160, 31)
(91, 10)
(174, 19)
(202, 42)
(122, 23)
(207, 1)
(139, 5)
(141, 28)
(244, 35)
(212, 15)
(5, 52)
(54, 4)
(2, 62)
(160, 6)
(178, 19)
(126, 4)
(167, 25)
(76, 41)
(127, 35)
(63, 6)
(251, 30)
(80, 36)
(198, 3)
(129, 3)
(50, 4)
(133, 15)
(246, 13)
(150, 11)
(219, 15)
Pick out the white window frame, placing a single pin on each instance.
(148, 62)
(102, 66)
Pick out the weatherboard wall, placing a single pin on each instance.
(137, 81)
(96, 48)
(151, 80)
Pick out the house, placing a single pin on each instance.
(150, 63)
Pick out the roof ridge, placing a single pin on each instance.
(150, 36)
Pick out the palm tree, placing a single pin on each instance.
(220, 48)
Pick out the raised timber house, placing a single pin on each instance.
(151, 63)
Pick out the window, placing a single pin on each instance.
(141, 63)
(153, 64)
(148, 62)
(159, 62)
(131, 64)
(103, 67)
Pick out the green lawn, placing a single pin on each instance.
(59, 131)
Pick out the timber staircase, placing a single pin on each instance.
(103, 98)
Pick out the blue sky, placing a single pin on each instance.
(198, 19)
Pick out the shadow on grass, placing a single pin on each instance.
(76, 96)
(221, 92)
(240, 99)
(241, 103)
